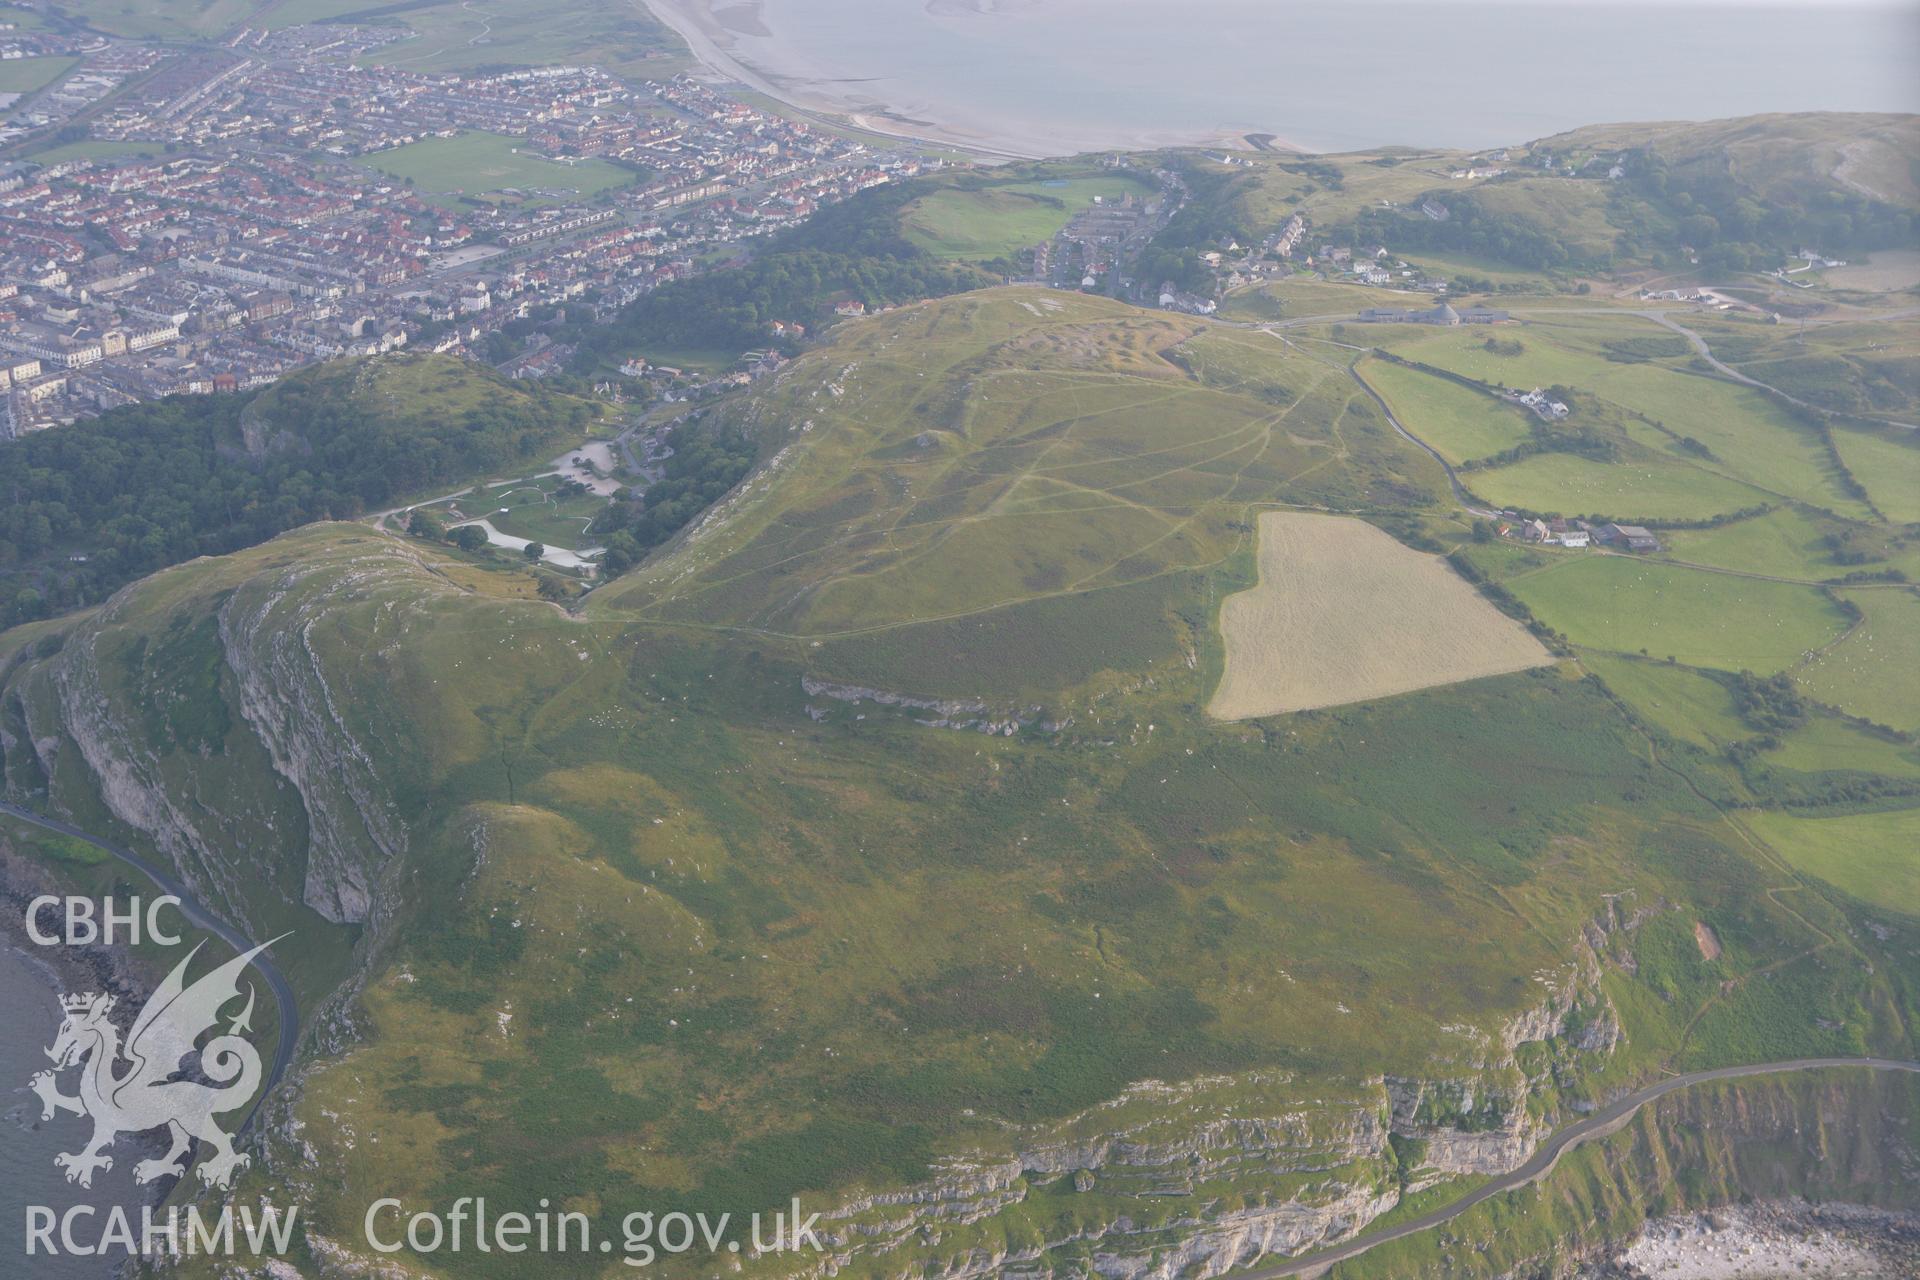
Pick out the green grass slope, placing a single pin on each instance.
(871, 838)
(1018, 454)
(1791, 161)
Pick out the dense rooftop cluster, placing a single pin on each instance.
(268, 225)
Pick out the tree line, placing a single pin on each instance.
(87, 508)
(852, 250)
(704, 466)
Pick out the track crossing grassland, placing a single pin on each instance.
(1343, 613)
(1048, 447)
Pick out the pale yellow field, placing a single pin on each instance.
(1343, 613)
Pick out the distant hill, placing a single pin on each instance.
(1792, 161)
(1738, 194)
(91, 506)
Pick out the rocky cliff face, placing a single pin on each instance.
(353, 829)
(934, 713)
(1197, 1179)
(77, 707)
(1174, 1180)
(211, 724)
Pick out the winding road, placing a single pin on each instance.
(1460, 493)
(1609, 1119)
(1705, 352)
(198, 915)
(1665, 320)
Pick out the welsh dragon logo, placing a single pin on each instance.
(156, 1089)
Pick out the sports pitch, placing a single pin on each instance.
(479, 163)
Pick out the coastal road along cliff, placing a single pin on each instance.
(1607, 1120)
(201, 918)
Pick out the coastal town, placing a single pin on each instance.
(219, 218)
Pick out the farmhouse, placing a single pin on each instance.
(1441, 315)
(1543, 404)
(1444, 314)
(1562, 532)
(1631, 536)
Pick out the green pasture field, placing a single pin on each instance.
(166, 19)
(622, 38)
(293, 13)
(24, 75)
(1462, 424)
(1785, 542)
(448, 35)
(1873, 672)
(993, 222)
(1504, 558)
(707, 359)
(51, 846)
(1827, 743)
(1258, 363)
(412, 384)
(1574, 210)
(1692, 707)
(1882, 271)
(1887, 462)
(1522, 356)
(1300, 296)
(1695, 707)
(1863, 366)
(1446, 266)
(1751, 439)
(96, 149)
(1647, 488)
(1628, 605)
(1030, 649)
(25, 19)
(1869, 855)
(476, 163)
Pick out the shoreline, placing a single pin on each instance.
(714, 41)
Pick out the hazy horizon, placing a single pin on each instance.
(1053, 76)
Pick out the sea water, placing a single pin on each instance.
(1069, 75)
(29, 1019)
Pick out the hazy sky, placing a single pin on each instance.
(1912, 5)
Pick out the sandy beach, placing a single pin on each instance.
(732, 39)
